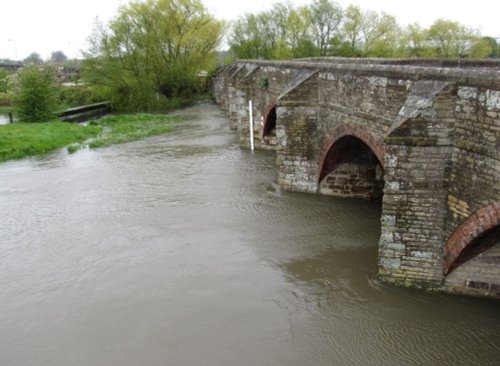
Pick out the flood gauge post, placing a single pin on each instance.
(250, 120)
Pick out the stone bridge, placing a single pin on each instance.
(422, 136)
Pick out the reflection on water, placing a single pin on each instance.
(180, 250)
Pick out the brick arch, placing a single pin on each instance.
(359, 132)
(477, 225)
(267, 120)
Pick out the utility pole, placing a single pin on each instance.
(15, 47)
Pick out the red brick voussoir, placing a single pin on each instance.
(478, 223)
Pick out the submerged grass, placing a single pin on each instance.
(18, 140)
(118, 129)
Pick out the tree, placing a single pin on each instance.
(4, 81)
(451, 39)
(325, 19)
(152, 48)
(58, 57)
(493, 45)
(245, 40)
(480, 47)
(369, 33)
(381, 34)
(323, 28)
(352, 29)
(414, 41)
(263, 35)
(298, 35)
(36, 93)
(34, 58)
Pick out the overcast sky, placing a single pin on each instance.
(44, 26)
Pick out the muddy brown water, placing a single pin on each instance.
(180, 250)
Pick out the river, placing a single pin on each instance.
(4, 119)
(180, 250)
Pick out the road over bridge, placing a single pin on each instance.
(421, 135)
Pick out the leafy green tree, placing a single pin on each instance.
(3, 80)
(283, 32)
(382, 35)
(323, 28)
(445, 37)
(151, 49)
(299, 37)
(369, 33)
(479, 48)
(245, 40)
(264, 35)
(277, 19)
(36, 93)
(352, 30)
(414, 41)
(450, 39)
(493, 45)
(325, 18)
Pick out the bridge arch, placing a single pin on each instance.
(351, 163)
(269, 128)
(474, 236)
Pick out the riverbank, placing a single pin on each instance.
(19, 140)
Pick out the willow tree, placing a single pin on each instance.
(152, 49)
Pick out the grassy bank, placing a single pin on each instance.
(18, 140)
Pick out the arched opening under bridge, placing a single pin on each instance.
(269, 129)
(476, 235)
(350, 168)
(472, 253)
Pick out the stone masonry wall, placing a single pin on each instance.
(296, 135)
(355, 180)
(474, 184)
(410, 248)
(441, 167)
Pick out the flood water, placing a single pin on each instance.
(180, 250)
(4, 119)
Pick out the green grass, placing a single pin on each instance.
(18, 140)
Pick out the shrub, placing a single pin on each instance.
(6, 99)
(36, 93)
(4, 81)
(77, 95)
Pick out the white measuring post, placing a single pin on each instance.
(250, 120)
